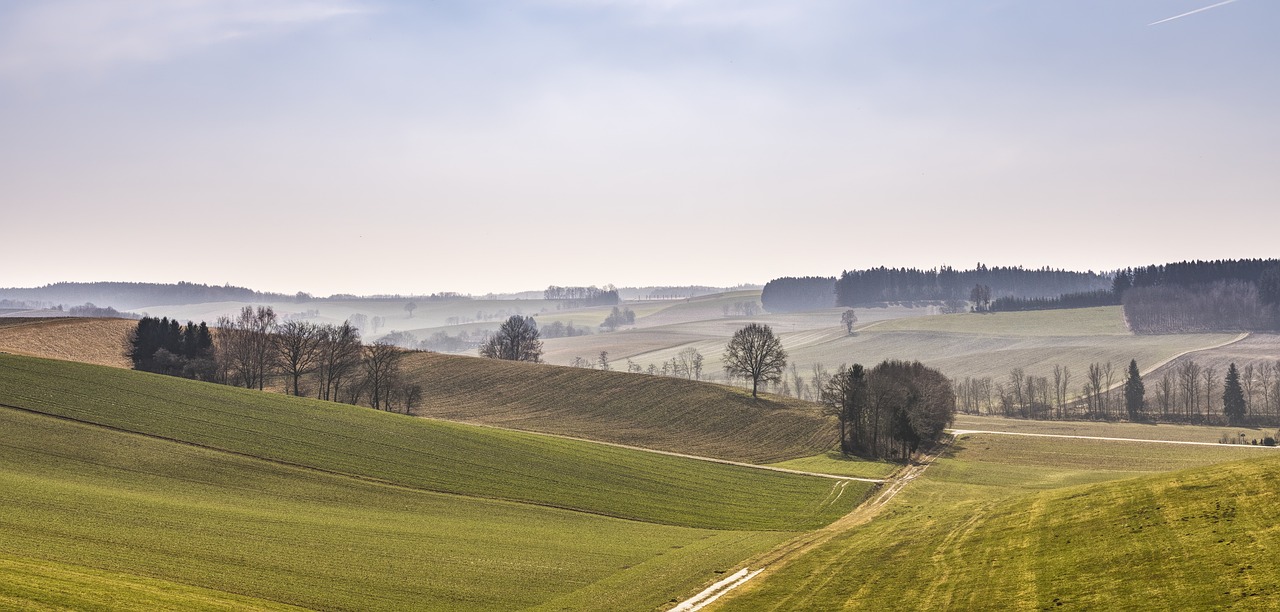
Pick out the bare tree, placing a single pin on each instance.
(339, 356)
(410, 307)
(381, 366)
(516, 340)
(754, 353)
(1248, 384)
(1265, 372)
(1093, 389)
(1189, 386)
(604, 360)
(244, 346)
(1210, 375)
(849, 319)
(1109, 375)
(297, 347)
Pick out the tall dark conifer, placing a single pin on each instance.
(1233, 404)
(1134, 391)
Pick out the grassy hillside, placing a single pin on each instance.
(96, 518)
(99, 341)
(423, 454)
(1027, 523)
(651, 411)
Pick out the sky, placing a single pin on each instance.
(375, 147)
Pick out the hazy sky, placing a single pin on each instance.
(371, 146)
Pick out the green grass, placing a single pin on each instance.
(650, 411)
(92, 517)
(1034, 523)
(832, 462)
(423, 454)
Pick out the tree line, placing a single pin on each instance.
(1186, 392)
(583, 296)
(861, 287)
(1199, 296)
(256, 350)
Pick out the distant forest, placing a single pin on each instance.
(129, 296)
(1201, 296)
(945, 284)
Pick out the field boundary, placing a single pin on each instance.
(661, 452)
(962, 432)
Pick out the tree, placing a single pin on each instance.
(980, 295)
(755, 353)
(382, 372)
(1233, 405)
(339, 355)
(516, 340)
(848, 319)
(410, 307)
(297, 349)
(845, 396)
(245, 346)
(1134, 392)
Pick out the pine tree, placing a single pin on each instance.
(1134, 391)
(1233, 405)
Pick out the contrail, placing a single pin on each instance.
(1192, 12)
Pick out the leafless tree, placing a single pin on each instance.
(244, 346)
(604, 360)
(382, 370)
(1093, 388)
(517, 339)
(849, 319)
(410, 307)
(1249, 384)
(1189, 387)
(1109, 374)
(1210, 375)
(754, 353)
(339, 357)
(297, 348)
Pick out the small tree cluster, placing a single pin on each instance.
(165, 347)
(890, 411)
(516, 340)
(617, 318)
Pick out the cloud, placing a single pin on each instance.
(68, 35)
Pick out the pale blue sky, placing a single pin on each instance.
(372, 146)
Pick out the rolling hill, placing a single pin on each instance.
(158, 489)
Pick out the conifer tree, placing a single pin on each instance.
(1233, 405)
(1134, 391)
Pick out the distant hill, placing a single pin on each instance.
(125, 296)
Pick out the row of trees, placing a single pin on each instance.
(583, 296)
(860, 287)
(255, 350)
(1227, 305)
(1186, 392)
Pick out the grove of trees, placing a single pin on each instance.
(255, 350)
(891, 410)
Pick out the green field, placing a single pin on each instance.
(655, 412)
(423, 454)
(122, 489)
(1006, 522)
(83, 508)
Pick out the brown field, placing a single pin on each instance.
(657, 412)
(96, 341)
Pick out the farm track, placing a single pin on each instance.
(770, 561)
(962, 432)
(667, 453)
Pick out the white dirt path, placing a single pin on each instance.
(961, 432)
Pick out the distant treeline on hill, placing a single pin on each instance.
(880, 285)
(1087, 299)
(583, 296)
(1201, 296)
(129, 296)
(791, 294)
(859, 287)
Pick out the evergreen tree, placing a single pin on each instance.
(1134, 391)
(1233, 405)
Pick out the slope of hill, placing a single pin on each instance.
(97, 341)
(1029, 523)
(92, 517)
(656, 412)
(422, 454)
